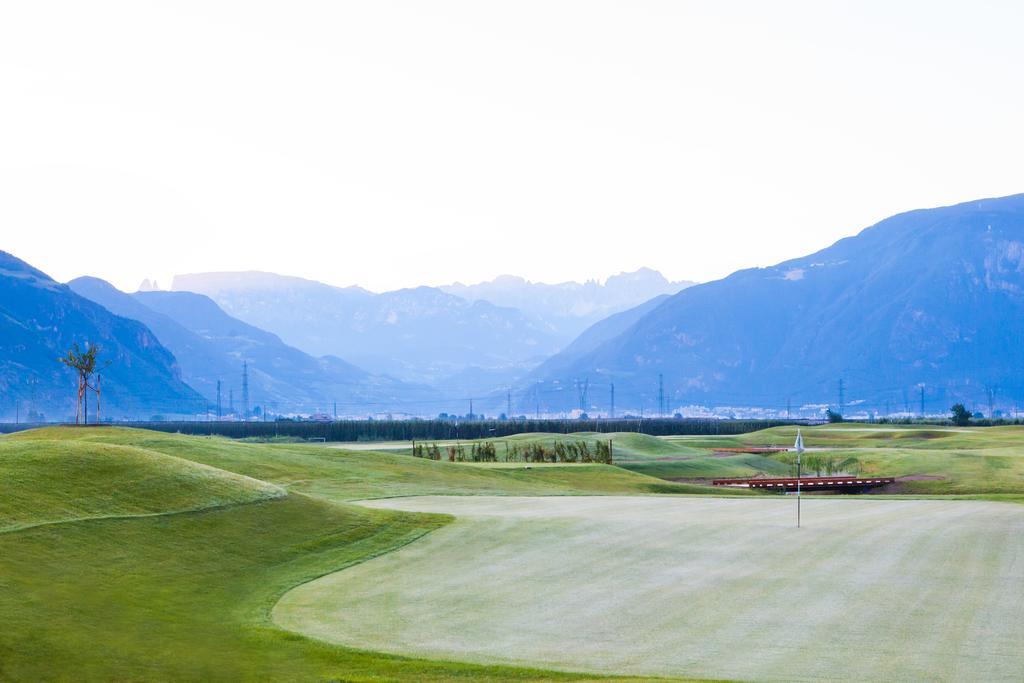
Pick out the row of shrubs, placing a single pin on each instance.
(822, 464)
(533, 451)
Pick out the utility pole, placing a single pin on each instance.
(611, 410)
(842, 398)
(922, 400)
(231, 401)
(661, 395)
(99, 397)
(32, 405)
(789, 406)
(471, 416)
(508, 403)
(245, 390)
(218, 400)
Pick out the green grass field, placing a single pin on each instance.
(931, 460)
(125, 555)
(868, 590)
(135, 555)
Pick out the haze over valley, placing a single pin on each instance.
(916, 312)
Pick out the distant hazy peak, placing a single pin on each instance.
(644, 274)
(248, 280)
(148, 285)
(648, 275)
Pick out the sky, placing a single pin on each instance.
(392, 144)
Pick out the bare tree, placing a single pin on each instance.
(84, 363)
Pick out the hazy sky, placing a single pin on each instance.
(399, 143)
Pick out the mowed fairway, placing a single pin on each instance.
(697, 587)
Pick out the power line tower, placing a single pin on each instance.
(991, 393)
(611, 409)
(218, 400)
(661, 395)
(231, 401)
(508, 403)
(789, 408)
(335, 411)
(582, 388)
(922, 400)
(842, 398)
(245, 390)
(471, 415)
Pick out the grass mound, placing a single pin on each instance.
(340, 475)
(48, 480)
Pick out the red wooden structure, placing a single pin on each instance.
(838, 483)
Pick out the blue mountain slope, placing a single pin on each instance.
(932, 297)
(212, 345)
(420, 334)
(40, 319)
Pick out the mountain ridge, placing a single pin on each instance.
(213, 346)
(923, 297)
(41, 318)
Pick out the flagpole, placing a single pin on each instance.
(799, 449)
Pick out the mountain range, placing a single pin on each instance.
(39, 321)
(459, 338)
(570, 307)
(926, 305)
(211, 347)
(919, 311)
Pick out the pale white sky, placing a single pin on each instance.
(398, 143)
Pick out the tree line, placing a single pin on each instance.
(429, 430)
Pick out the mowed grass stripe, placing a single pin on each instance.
(720, 588)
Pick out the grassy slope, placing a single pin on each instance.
(46, 481)
(187, 596)
(340, 475)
